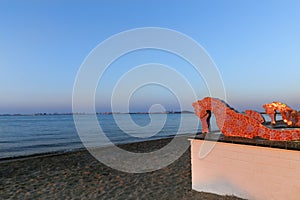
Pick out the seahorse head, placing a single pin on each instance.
(201, 107)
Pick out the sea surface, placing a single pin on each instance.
(28, 135)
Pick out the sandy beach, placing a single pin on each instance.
(78, 175)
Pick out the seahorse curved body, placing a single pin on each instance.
(255, 115)
(233, 123)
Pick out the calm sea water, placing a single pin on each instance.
(27, 135)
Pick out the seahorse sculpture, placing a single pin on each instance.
(290, 117)
(233, 123)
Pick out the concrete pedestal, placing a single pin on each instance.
(246, 171)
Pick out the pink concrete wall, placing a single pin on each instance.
(246, 171)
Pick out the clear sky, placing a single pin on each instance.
(254, 44)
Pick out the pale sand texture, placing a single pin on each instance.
(78, 175)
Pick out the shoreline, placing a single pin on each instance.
(59, 152)
(288, 145)
(78, 174)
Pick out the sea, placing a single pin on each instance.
(38, 134)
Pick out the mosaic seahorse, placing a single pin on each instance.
(290, 117)
(233, 123)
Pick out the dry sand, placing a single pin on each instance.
(78, 175)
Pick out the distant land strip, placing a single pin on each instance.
(100, 113)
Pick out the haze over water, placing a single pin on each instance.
(27, 135)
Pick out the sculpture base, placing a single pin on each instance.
(246, 171)
(218, 136)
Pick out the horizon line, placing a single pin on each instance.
(86, 113)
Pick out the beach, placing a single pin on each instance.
(78, 175)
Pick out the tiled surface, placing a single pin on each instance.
(232, 123)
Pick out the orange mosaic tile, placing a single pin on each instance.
(233, 123)
(290, 117)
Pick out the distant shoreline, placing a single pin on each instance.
(99, 113)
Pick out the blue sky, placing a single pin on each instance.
(254, 44)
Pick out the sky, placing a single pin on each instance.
(255, 45)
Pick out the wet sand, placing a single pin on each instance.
(78, 175)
